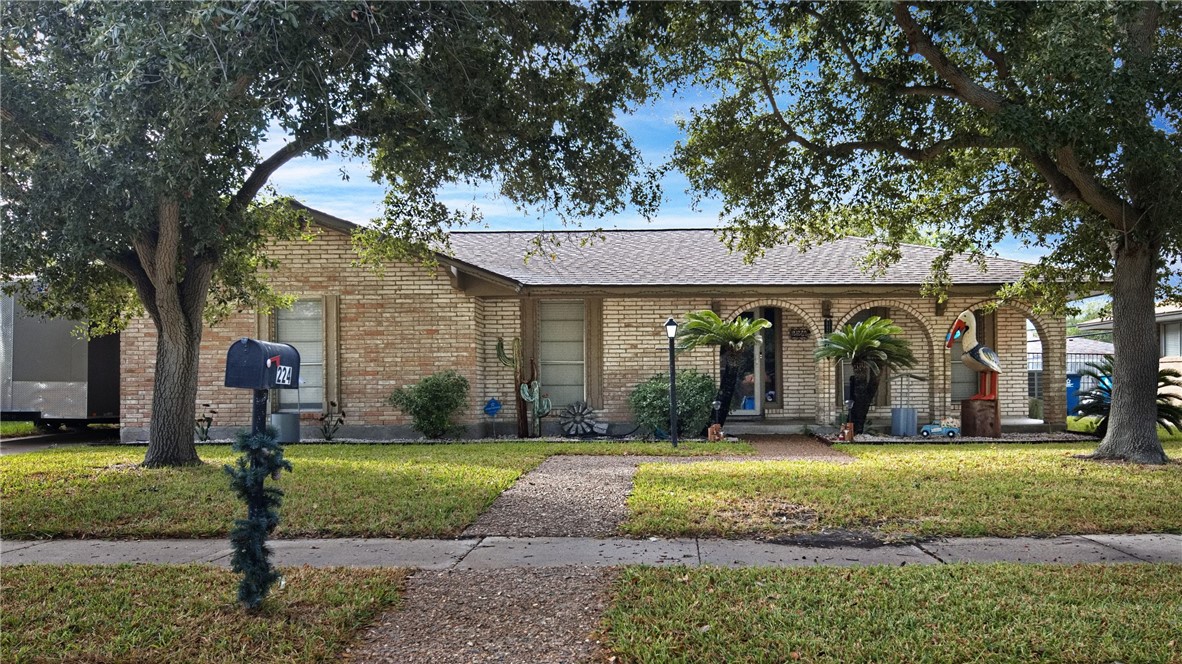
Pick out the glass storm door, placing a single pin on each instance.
(748, 396)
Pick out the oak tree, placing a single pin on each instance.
(1057, 123)
(131, 134)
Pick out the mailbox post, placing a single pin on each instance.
(261, 366)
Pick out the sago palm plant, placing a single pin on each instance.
(1097, 402)
(706, 328)
(870, 346)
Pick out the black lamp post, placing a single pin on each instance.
(671, 332)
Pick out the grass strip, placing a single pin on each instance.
(938, 613)
(334, 490)
(969, 490)
(15, 429)
(185, 613)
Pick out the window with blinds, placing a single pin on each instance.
(1171, 339)
(302, 326)
(561, 352)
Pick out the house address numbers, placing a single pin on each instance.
(799, 333)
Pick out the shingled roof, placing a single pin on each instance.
(699, 258)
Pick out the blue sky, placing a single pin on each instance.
(318, 184)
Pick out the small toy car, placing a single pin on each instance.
(930, 430)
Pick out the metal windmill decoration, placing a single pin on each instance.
(578, 419)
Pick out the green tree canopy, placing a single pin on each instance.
(130, 162)
(1053, 122)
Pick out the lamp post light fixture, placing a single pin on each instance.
(671, 332)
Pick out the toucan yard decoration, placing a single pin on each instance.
(979, 414)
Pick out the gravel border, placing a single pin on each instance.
(538, 615)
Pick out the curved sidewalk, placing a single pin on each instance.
(510, 552)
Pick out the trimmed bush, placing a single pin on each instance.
(433, 402)
(649, 402)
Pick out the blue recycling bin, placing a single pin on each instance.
(1073, 384)
(904, 421)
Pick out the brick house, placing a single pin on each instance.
(592, 316)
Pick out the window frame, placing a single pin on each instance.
(329, 348)
(583, 362)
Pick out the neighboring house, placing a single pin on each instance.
(1081, 352)
(1168, 320)
(591, 316)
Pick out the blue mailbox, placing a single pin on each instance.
(262, 365)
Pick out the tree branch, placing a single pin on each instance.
(267, 167)
(41, 137)
(130, 267)
(968, 90)
(1061, 186)
(998, 59)
(1119, 213)
(1143, 30)
(926, 153)
(860, 75)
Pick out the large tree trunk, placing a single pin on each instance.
(1132, 424)
(174, 399)
(173, 284)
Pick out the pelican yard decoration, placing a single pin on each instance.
(979, 415)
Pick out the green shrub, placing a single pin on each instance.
(433, 402)
(649, 402)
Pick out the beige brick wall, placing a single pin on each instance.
(408, 322)
(635, 347)
(394, 328)
(1013, 384)
(501, 318)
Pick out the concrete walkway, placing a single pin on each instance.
(513, 552)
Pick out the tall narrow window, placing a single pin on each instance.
(560, 345)
(302, 326)
(1171, 339)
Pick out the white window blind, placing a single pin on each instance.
(302, 326)
(1171, 340)
(561, 350)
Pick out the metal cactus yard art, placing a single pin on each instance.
(539, 406)
(517, 362)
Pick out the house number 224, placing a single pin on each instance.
(283, 375)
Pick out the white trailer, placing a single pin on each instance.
(52, 377)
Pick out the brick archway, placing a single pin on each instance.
(925, 349)
(1053, 336)
(782, 304)
(924, 324)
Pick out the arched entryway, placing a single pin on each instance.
(779, 378)
(912, 388)
(1031, 387)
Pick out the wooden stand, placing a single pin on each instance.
(980, 418)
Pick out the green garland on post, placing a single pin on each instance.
(262, 457)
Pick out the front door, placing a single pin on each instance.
(747, 398)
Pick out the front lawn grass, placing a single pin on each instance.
(937, 613)
(1088, 425)
(185, 613)
(16, 429)
(334, 491)
(894, 491)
